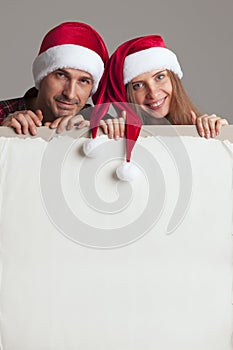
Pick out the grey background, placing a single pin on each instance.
(199, 31)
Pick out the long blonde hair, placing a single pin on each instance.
(180, 107)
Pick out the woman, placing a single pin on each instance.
(144, 73)
(143, 82)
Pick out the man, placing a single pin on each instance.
(66, 72)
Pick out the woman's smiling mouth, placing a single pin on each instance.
(156, 105)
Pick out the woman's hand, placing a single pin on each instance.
(114, 128)
(208, 125)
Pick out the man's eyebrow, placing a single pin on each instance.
(86, 77)
(61, 70)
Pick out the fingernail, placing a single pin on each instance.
(38, 123)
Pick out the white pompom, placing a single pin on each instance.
(90, 147)
(127, 171)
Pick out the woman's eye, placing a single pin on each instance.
(160, 76)
(137, 86)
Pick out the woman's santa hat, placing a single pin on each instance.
(71, 45)
(130, 59)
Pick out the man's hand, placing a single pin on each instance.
(24, 121)
(68, 122)
(208, 125)
(114, 128)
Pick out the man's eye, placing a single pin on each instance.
(60, 75)
(85, 81)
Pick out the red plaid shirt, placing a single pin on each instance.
(15, 104)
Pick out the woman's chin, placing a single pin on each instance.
(154, 114)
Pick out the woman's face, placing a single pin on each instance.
(153, 92)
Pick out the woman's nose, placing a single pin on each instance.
(152, 91)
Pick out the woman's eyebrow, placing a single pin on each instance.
(137, 81)
(164, 70)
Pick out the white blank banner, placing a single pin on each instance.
(158, 290)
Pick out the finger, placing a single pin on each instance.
(31, 126)
(62, 124)
(110, 128)
(47, 123)
(122, 126)
(123, 115)
(40, 116)
(84, 124)
(104, 126)
(16, 126)
(55, 123)
(75, 120)
(193, 117)
(199, 126)
(212, 119)
(220, 122)
(206, 126)
(203, 126)
(116, 128)
(33, 116)
(21, 118)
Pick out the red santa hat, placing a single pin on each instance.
(71, 45)
(134, 57)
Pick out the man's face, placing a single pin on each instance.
(64, 92)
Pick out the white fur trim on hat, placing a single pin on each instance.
(149, 59)
(68, 56)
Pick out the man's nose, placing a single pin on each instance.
(70, 90)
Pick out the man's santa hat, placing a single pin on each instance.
(71, 45)
(130, 59)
